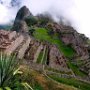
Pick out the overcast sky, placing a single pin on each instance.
(77, 12)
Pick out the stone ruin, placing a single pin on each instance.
(10, 42)
(6, 38)
(56, 58)
(29, 49)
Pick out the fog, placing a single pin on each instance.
(76, 12)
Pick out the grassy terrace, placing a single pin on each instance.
(72, 82)
(38, 87)
(45, 57)
(58, 71)
(75, 69)
(42, 35)
(40, 57)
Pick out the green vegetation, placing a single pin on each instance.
(31, 21)
(44, 19)
(10, 74)
(88, 42)
(31, 30)
(40, 57)
(75, 69)
(42, 35)
(79, 62)
(58, 71)
(72, 82)
(37, 86)
(5, 27)
(7, 68)
(45, 57)
(41, 82)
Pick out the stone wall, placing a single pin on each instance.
(24, 47)
(56, 58)
(11, 48)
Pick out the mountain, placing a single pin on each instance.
(19, 23)
(55, 52)
(6, 27)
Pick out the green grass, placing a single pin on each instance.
(42, 35)
(45, 57)
(75, 69)
(88, 41)
(40, 57)
(38, 87)
(72, 82)
(58, 71)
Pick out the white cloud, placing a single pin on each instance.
(76, 11)
(7, 12)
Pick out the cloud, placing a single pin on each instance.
(74, 11)
(7, 11)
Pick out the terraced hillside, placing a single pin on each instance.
(55, 53)
(46, 54)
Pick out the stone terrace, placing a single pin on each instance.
(10, 42)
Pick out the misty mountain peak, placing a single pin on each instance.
(23, 13)
(19, 23)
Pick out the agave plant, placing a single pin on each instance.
(10, 74)
(8, 65)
